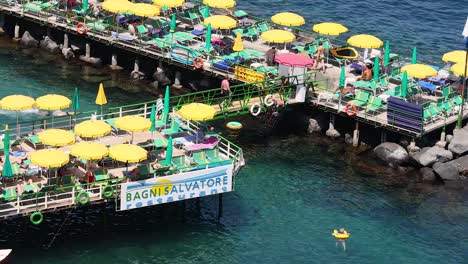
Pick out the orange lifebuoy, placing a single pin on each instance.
(279, 103)
(350, 109)
(81, 28)
(198, 62)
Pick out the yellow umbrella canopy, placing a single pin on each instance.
(288, 19)
(117, 6)
(238, 44)
(278, 36)
(365, 41)
(53, 102)
(459, 68)
(92, 129)
(329, 28)
(133, 123)
(144, 10)
(197, 111)
(169, 3)
(127, 153)
(220, 22)
(49, 158)
(220, 3)
(454, 56)
(419, 70)
(57, 137)
(17, 102)
(89, 150)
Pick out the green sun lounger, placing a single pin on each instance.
(360, 98)
(160, 142)
(32, 7)
(447, 91)
(213, 155)
(101, 175)
(374, 103)
(145, 170)
(240, 13)
(179, 162)
(263, 26)
(199, 158)
(9, 194)
(96, 26)
(175, 128)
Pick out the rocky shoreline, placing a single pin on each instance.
(446, 162)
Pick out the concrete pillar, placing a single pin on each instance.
(136, 67)
(88, 51)
(17, 32)
(178, 77)
(65, 41)
(356, 135)
(114, 60)
(412, 144)
(442, 136)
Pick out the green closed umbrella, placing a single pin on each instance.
(376, 69)
(166, 104)
(7, 171)
(342, 78)
(173, 24)
(153, 118)
(387, 53)
(208, 38)
(75, 101)
(85, 5)
(169, 152)
(414, 58)
(207, 11)
(404, 84)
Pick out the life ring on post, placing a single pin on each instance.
(269, 100)
(36, 218)
(350, 109)
(82, 198)
(198, 63)
(107, 191)
(279, 103)
(81, 28)
(255, 109)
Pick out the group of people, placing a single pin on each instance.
(318, 58)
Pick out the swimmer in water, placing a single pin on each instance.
(342, 241)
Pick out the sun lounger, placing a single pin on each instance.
(160, 142)
(374, 103)
(239, 14)
(9, 194)
(360, 98)
(96, 26)
(197, 137)
(179, 162)
(101, 175)
(175, 128)
(208, 143)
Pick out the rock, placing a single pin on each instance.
(447, 171)
(28, 41)
(138, 75)
(348, 138)
(448, 138)
(459, 143)
(161, 77)
(441, 144)
(413, 149)
(404, 142)
(427, 174)
(462, 165)
(68, 53)
(391, 153)
(313, 126)
(331, 132)
(428, 156)
(49, 45)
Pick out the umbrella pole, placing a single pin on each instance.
(17, 125)
(102, 117)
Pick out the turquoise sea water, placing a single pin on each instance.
(294, 189)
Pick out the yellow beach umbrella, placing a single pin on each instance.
(169, 3)
(220, 3)
(220, 22)
(459, 68)
(365, 41)
(89, 150)
(17, 102)
(238, 44)
(53, 102)
(133, 123)
(92, 129)
(127, 153)
(288, 19)
(454, 56)
(197, 111)
(278, 36)
(101, 97)
(49, 158)
(419, 70)
(57, 137)
(117, 6)
(329, 28)
(144, 10)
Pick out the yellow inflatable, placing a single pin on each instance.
(343, 236)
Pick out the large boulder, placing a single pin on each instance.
(28, 41)
(348, 138)
(427, 174)
(459, 143)
(332, 132)
(428, 156)
(313, 126)
(391, 153)
(49, 45)
(461, 164)
(447, 171)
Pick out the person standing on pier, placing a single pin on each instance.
(320, 56)
(270, 56)
(225, 86)
(159, 106)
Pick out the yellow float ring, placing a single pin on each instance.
(342, 236)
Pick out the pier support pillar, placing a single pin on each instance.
(114, 65)
(17, 33)
(178, 77)
(65, 41)
(383, 136)
(332, 132)
(88, 51)
(356, 135)
(136, 73)
(442, 136)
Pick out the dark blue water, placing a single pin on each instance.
(294, 190)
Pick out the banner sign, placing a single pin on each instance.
(176, 187)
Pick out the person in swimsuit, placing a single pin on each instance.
(225, 86)
(320, 56)
(366, 74)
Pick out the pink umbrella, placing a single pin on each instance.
(294, 60)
